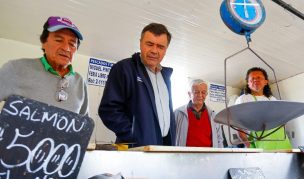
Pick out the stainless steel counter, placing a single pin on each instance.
(190, 165)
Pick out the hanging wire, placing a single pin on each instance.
(256, 137)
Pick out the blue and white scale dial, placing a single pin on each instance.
(243, 16)
(248, 11)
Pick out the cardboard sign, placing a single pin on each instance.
(41, 141)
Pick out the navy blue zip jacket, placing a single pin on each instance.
(128, 104)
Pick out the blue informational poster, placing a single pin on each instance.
(98, 72)
(217, 93)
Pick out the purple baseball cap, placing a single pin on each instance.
(56, 23)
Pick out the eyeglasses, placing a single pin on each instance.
(62, 95)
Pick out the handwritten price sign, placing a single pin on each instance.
(41, 141)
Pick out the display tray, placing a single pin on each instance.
(157, 148)
(260, 115)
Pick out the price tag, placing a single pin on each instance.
(41, 141)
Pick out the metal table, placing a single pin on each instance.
(192, 163)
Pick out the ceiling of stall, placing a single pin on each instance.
(200, 43)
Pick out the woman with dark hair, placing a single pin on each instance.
(257, 89)
(266, 90)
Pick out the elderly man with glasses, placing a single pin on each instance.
(194, 121)
(51, 78)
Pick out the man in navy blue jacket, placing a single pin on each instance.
(137, 103)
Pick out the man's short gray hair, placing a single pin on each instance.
(195, 82)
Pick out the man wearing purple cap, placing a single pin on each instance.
(50, 79)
